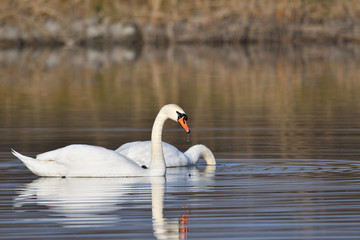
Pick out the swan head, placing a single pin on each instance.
(177, 114)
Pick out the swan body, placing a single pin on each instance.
(140, 152)
(80, 160)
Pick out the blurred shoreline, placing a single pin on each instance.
(162, 23)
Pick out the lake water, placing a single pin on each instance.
(282, 122)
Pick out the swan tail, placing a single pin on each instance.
(23, 158)
(40, 168)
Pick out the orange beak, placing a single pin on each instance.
(183, 123)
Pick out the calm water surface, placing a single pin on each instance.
(283, 124)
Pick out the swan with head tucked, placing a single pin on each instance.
(140, 152)
(80, 160)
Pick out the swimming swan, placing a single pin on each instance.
(140, 152)
(80, 160)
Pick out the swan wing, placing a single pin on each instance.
(139, 152)
(174, 157)
(80, 160)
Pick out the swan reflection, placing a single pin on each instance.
(98, 202)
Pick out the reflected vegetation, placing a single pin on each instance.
(298, 97)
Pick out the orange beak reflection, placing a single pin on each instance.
(183, 123)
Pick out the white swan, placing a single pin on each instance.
(81, 160)
(140, 153)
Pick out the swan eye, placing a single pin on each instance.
(181, 115)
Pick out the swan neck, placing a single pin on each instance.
(157, 156)
(196, 152)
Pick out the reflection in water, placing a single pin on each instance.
(96, 202)
(82, 58)
(81, 201)
(302, 97)
(177, 228)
